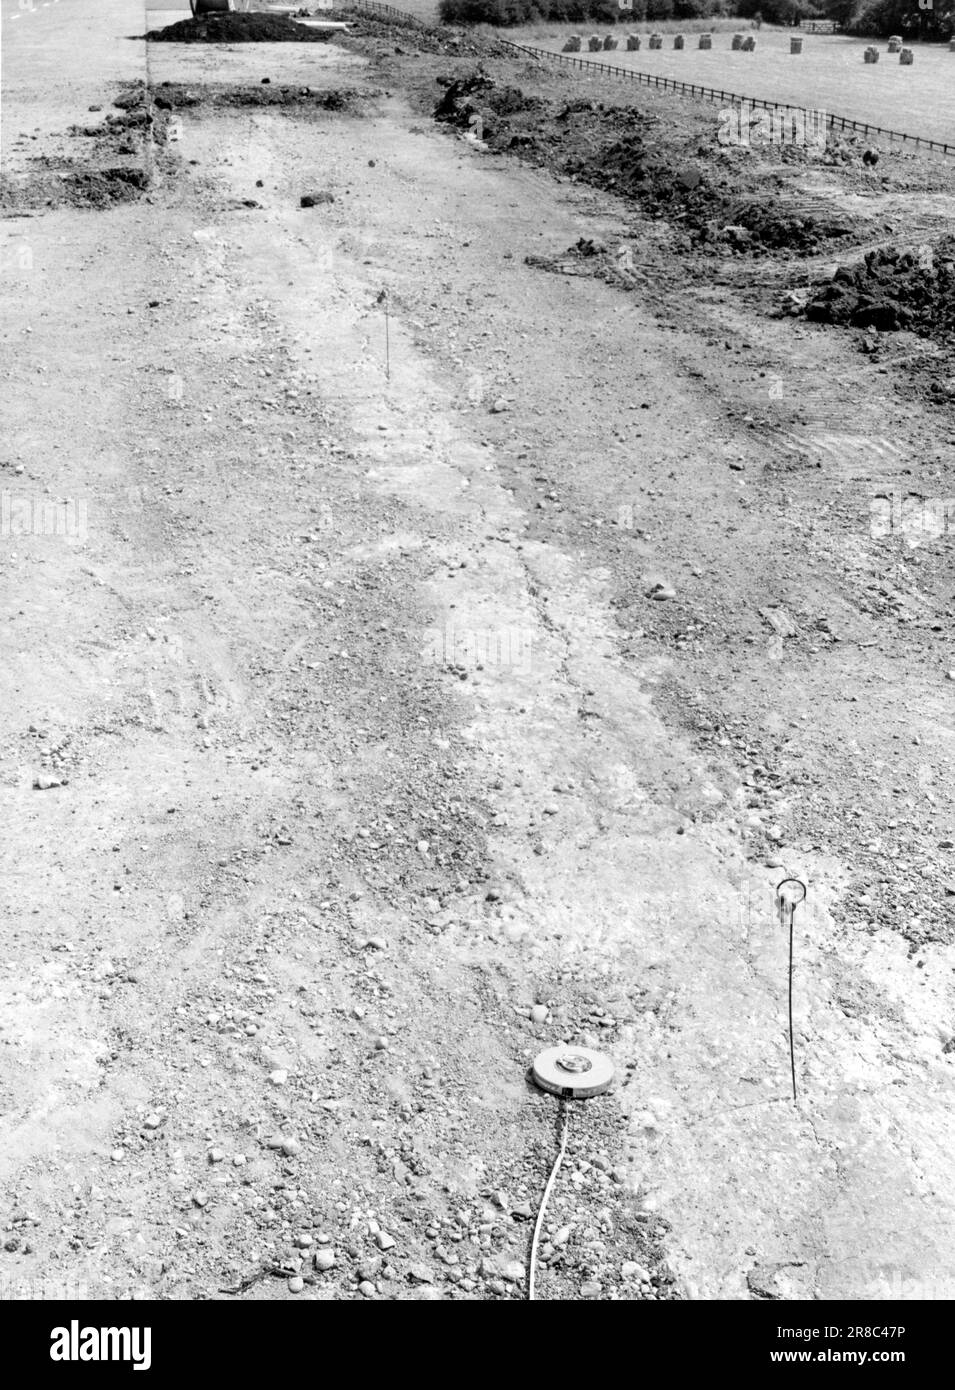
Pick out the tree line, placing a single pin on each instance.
(864, 17)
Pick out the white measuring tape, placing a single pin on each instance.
(572, 1073)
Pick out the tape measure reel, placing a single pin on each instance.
(569, 1070)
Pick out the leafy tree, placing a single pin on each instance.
(903, 17)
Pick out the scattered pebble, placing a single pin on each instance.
(44, 783)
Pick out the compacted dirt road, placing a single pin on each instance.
(349, 759)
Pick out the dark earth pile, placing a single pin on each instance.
(480, 97)
(710, 214)
(892, 290)
(382, 36)
(135, 119)
(378, 36)
(174, 96)
(625, 151)
(97, 189)
(102, 188)
(238, 28)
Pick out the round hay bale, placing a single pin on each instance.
(951, 45)
(795, 45)
(610, 42)
(907, 57)
(633, 43)
(737, 42)
(749, 44)
(573, 44)
(895, 45)
(706, 40)
(871, 55)
(679, 41)
(656, 41)
(595, 43)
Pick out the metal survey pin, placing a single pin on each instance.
(789, 893)
(383, 301)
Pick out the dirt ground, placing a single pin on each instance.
(420, 650)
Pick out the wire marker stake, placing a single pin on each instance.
(571, 1073)
(383, 301)
(789, 893)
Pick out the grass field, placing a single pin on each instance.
(828, 75)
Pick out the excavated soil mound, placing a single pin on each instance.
(238, 28)
(623, 151)
(173, 96)
(378, 37)
(382, 36)
(892, 290)
(97, 189)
